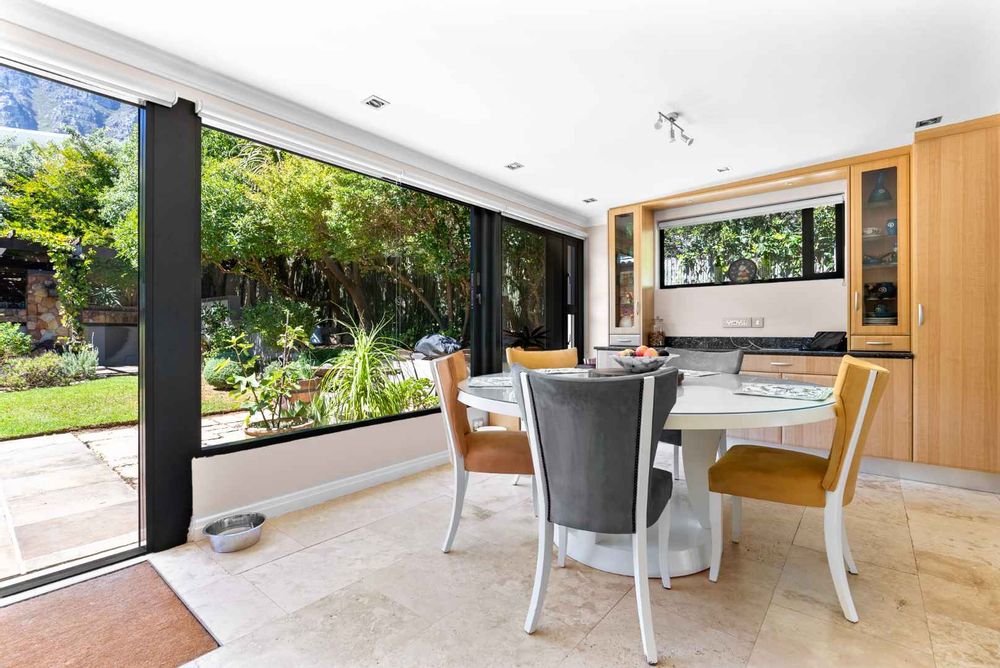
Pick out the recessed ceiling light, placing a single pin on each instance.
(590, 200)
(513, 165)
(375, 102)
(928, 121)
(722, 169)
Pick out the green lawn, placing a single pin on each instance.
(94, 403)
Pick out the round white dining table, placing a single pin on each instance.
(706, 407)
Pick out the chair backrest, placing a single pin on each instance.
(449, 371)
(729, 361)
(594, 441)
(858, 390)
(542, 359)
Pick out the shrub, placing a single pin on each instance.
(217, 329)
(13, 342)
(219, 372)
(80, 362)
(22, 373)
(268, 319)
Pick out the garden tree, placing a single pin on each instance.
(53, 198)
(265, 213)
(522, 271)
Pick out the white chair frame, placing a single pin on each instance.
(838, 550)
(640, 566)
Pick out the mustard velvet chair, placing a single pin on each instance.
(795, 478)
(479, 451)
(542, 359)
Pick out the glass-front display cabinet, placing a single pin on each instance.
(625, 240)
(880, 287)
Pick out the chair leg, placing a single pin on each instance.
(640, 566)
(561, 538)
(833, 532)
(677, 462)
(461, 482)
(517, 479)
(715, 518)
(664, 547)
(542, 569)
(852, 567)
(737, 502)
(534, 496)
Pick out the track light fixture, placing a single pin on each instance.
(671, 119)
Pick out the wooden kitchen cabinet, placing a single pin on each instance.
(880, 249)
(890, 435)
(631, 273)
(956, 270)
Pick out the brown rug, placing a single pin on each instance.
(126, 618)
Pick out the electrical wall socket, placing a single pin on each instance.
(758, 322)
(737, 322)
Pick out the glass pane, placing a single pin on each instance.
(522, 292)
(624, 291)
(69, 351)
(740, 250)
(317, 283)
(825, 238)
(879, 243)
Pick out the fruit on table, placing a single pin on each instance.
(649, 352)
(641, 350)
(628, 352)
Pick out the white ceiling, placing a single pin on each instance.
(571, 88)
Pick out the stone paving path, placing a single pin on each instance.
(69, 496)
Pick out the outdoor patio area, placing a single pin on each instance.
(72, 495)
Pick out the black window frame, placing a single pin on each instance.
(808, 254)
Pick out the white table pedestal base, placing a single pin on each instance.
(690, 545)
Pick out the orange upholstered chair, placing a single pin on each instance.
(479, 451)
(785, 476)
(542, 359)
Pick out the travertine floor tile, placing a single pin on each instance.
(304, 577)
(958, 643)
(889, 602)
(962, 550)
(768, 530)
(273, 544)
(353, 627)
(975, 605)
(963, 504)
(231, 607)
(790, 638)
(879, 499)
(422, 529)
(881, 543)
(186, 568)
(497, 492)
(680, 641)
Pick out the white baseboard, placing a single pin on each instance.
(286, 503)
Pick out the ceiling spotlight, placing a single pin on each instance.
(671, 118)
(928, 121)
(375, 102)
(723, 169)
(590, 200)
(513, 165)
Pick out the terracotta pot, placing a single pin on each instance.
(260, 428)
(308, 389)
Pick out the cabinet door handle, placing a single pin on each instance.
(920, 314)
(855, 300)
(878, 343)
(784, 363)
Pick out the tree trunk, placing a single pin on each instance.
(417, 293)
(333, 269)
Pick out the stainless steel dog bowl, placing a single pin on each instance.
(236, 532)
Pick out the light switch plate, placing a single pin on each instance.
(737, 322)
(758, 322)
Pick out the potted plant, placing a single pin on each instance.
(271, 395)
(527, 338)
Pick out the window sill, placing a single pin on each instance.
(266, 441)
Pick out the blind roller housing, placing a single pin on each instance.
(764, 210)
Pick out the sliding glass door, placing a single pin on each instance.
(69, 320)
(541, 290)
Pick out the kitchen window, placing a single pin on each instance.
(800, 240)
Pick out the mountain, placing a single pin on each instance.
(28, 102)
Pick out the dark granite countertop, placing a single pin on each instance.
(766, 345)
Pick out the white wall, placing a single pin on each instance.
(297, 474)
(596, 290)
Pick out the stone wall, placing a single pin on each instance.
(42, 307)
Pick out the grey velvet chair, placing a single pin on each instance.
(593, 441)
(729, 361)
